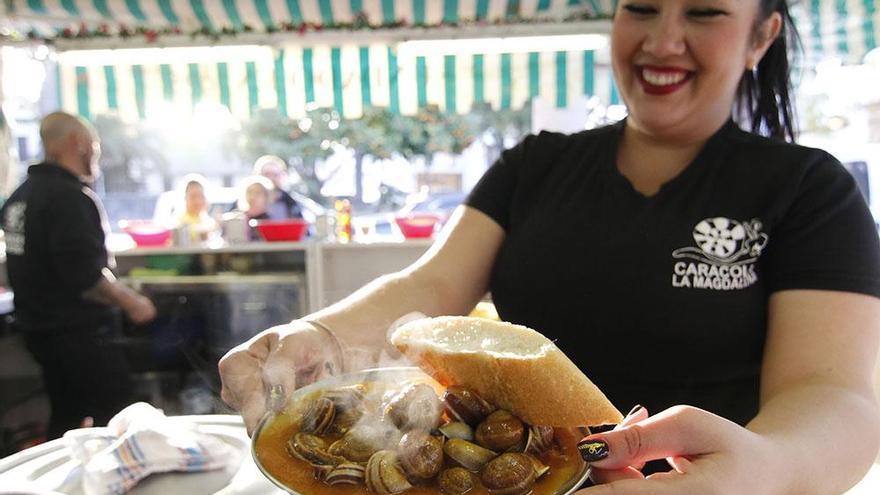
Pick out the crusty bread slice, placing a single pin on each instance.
(511, 366)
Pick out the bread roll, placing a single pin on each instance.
(511, 366)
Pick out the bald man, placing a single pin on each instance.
(60, 272)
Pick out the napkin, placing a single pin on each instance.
(140, 440)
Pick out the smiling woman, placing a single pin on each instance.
(671, 58)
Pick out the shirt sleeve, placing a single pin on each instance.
(827, 239)
(76, 240)
(494, 192)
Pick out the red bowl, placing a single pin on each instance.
(146, 233)
(417, 226)
(281, 230)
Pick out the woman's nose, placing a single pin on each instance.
(665, 37)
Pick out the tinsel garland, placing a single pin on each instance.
(360, 23)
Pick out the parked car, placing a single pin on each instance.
(441, 204)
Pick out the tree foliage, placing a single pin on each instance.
(431, 131)
(501, 126)
(378, 134)
(302, 143)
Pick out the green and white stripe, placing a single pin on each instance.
(843, 29)
(146, 83)
(846, 29)
(260, 14)
(141, 85)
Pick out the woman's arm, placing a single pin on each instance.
(817, 431)
(449, 279)
(818, 406)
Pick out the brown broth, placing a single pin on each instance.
(298, 475)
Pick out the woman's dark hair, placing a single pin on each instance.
(764, 95)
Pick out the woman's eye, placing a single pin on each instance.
(640, 9)
(706, 13)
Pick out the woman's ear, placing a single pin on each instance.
(765, 35)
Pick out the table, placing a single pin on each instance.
(49, 469)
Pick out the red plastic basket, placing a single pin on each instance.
(146, 233)
(417, 226)
(281, 230)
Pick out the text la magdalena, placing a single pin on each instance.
(724, 257)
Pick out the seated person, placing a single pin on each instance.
(194, 214)
(253, 201)
(281, 204)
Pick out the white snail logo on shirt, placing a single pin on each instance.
(724, 257)
(13, 226)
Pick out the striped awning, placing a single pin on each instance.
(846, 29)
(272, 15)
(843, 29)
(143, 83)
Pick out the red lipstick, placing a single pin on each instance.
(667, 73)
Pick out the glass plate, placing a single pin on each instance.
(385, 375)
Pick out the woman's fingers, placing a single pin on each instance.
(278, 360)
(603, 476)
(681, 465)
(243, 387)
(638, 413)
(677, 431)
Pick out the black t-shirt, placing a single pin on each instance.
(55, 230)
(662, 300)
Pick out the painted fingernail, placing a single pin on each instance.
(634, 410)
(593, 450)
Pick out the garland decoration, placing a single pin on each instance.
(84, 31)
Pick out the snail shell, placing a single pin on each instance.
(465, 405)
(347, 473)
(383, 476)
(540, 439)
(501, 431)
(364, 440)
(509, 474)
(421, 455)
(346, 419)
(345, 398)
(318, 416)
(457, 429)
(415, 407)
(312, 449)
(468, 455)
(456, 481)
(322, 471)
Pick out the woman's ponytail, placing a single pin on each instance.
(764, 96)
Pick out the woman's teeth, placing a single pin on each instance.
(663, 78)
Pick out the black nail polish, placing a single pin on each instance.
(636, 408)
(593, 450)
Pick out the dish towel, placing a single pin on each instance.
(140, 440)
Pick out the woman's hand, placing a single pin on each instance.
(282, 358)
(708, 454)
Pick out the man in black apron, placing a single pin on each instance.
(59, 269)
